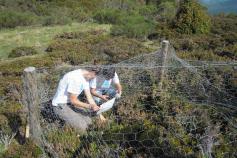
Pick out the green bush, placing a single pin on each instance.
(224, 23)
(117, 49)
(192, 18)
(58, 16)
(16, 67)
(229, 51)
(41, 9)
(22, 51)
(27, 150)
(11, 19)
(134, 26)
(77, 48)
(80, 15)
(167, 10)
(148, 11)
(163, 31)
(52, 20)
(200, 54)
(109, 16)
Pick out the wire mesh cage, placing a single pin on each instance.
(169, 108)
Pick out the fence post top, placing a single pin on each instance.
(165, 42)
(30, 69)
(165, 45)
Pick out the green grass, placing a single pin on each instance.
(38, 37)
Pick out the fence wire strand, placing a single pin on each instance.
(193, 113)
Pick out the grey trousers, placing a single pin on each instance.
(74, 117)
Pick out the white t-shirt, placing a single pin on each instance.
(100, 83)
(72, 82)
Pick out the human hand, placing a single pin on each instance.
(105, 97)
(119, 92)
(118, 95)
(94, 107)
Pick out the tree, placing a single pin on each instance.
(192, 18)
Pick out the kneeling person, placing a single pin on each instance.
(66, 98)
(101, 88)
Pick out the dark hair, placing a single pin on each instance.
(97, 70)
(109, 72)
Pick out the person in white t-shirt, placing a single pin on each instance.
(66, 98)
(105, 86)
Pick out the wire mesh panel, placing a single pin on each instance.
(191, 114)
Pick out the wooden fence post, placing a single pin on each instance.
(32, 101)
(164, 51)
(33, 129)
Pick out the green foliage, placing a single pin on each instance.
(52, 20)
(225, 27)
(109, 16)
(163, 31)
(116, 49)
(2, 148)
(39, 37)
(219, 44)
(25, 12)
(28, 150)
(58, 16)
(134, 26)
(167, 10)
(80, 15)
(148, 11)
(136, 23)
(222, 24)
(10, 68)
(11, 19)
(76, 48)
(22, 51)
(124, 5)
(66, 140)
(192, 18)
(61, 12)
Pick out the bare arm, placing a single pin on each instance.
(89, 97)
(94, 93)
(119, 88)
(76, 102)
(91, 100)
(92, 105)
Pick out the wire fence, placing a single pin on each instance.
(169, 108)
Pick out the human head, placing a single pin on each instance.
(108, 73)
(92, 72)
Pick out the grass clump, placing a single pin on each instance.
(22, 51)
